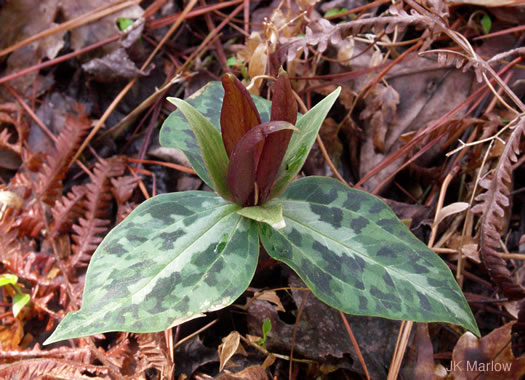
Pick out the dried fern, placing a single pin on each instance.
(122, 354)
(6, 141)
(13, 249)
(49, 182)
(492, 205)
(397, 18)
(154, 354)
(52, 369)
(66, 210)
(94, 223)
(30, 222)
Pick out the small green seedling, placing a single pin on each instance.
(486, 23)
(179, 255)
(124, 23)
(232, 61)
(266, 328)
(20, 299)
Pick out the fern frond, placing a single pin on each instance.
(123, 187)
(31, 221)
(154, 351)
(52, 369)
(66, 210)
(122, 354)
(49, 182)
(13, 249)
(94, 224)
(399, 18)
(492, 204)
(6, 141)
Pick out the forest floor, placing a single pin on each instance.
(430, 118)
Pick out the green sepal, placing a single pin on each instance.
(173, 258)
(176, 132)
(301, 143)
(270, 213)
(355, 255)
(210, 144)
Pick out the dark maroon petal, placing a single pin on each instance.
(238, 113)
(243, 164)
(284, 107)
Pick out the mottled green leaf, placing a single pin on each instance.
(174, 257)
(210, 144)
(301, 143)
(355, 255)
(176, 132)
(270, 212)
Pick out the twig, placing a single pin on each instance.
(279, 356)
(358, 9)
(355, 344)
(399, 352)
(294, 332)
(162, 163)
(168, 20)
(33, 115)
(193, 334)
(61, 59)
(439, 206)
(431, 128)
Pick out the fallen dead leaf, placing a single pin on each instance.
(270, 296)
(250, 373)
(11, 335)
(230, 346)
(451, 209)
(487, 358)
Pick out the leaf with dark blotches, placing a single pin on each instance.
(173, 258)
(284, 107)
(357, 256)
(243, 161)
(238, 113)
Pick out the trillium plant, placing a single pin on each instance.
(179, 255)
